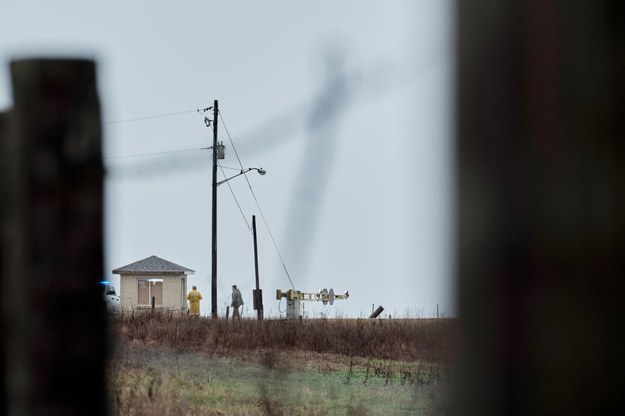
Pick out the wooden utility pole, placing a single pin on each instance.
(258, 294)
(214, 214)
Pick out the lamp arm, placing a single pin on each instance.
(243, 171)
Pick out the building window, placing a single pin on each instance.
(148, 289)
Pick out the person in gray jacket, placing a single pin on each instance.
(237, 302)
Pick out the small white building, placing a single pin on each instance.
(153, 280)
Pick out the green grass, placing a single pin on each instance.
(158, 380)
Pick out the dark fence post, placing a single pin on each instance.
(52, 241)
(541, 182)
(377, 312)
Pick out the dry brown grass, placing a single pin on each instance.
(397, 339)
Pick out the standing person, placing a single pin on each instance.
(237, 301)
(194, 297)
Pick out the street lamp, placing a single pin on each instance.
(218, 153)
(261, 172)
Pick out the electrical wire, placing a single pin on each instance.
(149, 117)
(230, 138)
(235, 199)
(222, 167)
(257, 204)
(155, 153)
(271, 235)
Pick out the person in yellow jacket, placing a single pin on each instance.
(194, 297)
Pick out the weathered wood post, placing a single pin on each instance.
(52, 241)
(541, 225)
(4, 260)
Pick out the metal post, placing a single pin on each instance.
(214, 233)
(258, 294)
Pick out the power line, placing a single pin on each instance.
(230, 138)
(155, 153)
(257, 204)
(235, 199)
(149, 117)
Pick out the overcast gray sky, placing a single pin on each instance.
(347, 105)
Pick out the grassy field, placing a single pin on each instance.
(162, 364)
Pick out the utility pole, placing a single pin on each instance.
(214, 237)
(258, 294)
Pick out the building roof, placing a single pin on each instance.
(153, 264)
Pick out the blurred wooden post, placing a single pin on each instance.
(541, 231)
(5, 181)
(52, 241)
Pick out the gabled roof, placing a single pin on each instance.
(153, 264)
